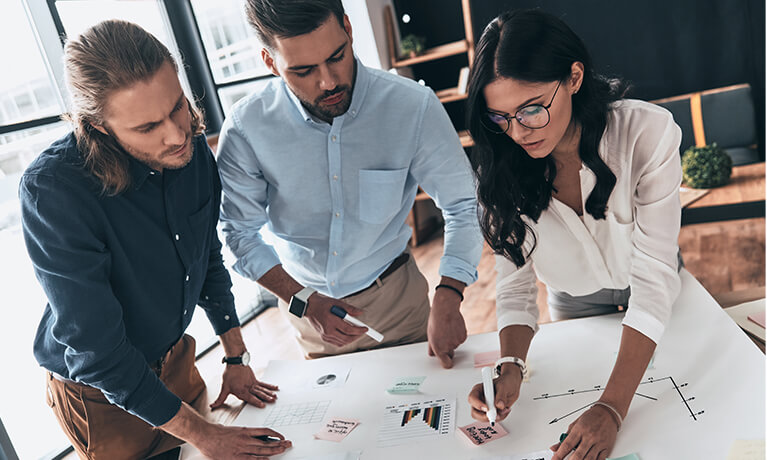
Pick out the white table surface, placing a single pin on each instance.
(704, 363)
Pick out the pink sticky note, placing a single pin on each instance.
(487, 358)
(482, 433)
(336, 429)
(758, 318)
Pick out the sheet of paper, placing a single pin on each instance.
(417, 420)
(538, 455)
(352, 455)
(482, 433)
(487, 358)
(406, 385)
(742, 449)
(740, 314)
(336, 429)
(626, 457)
(296, 414)
(758, 318)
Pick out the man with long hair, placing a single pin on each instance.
(329, 157)
(119, 218)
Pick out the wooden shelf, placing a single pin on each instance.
(439, 52)
(450, 95)
(746, 184)
(466, 140)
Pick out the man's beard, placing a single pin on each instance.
(328, 112)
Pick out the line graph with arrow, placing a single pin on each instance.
(597, 388)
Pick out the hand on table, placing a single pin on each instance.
(234, 442)
(332, 329)
(446, 329)
(591, 436)
(241, 381)
(506, 389)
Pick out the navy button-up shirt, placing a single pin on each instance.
(123, 273)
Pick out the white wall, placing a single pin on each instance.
(369, 30)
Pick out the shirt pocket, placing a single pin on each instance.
(381, 193)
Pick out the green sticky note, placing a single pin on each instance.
(406, 385)
(626, 457)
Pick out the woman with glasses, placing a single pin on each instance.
(578, 187)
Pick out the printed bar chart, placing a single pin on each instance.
(416, 421)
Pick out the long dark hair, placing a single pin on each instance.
(532, 46)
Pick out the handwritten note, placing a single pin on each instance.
(336, 429)
(482, 433)
(487, 358)
(406, 385)
(746, 450)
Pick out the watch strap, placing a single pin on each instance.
(510, 359)
(305, 293)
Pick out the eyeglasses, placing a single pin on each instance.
(533, 116)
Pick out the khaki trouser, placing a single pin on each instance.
(98, 429)
(398, 308)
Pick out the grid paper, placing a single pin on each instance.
(297, 414)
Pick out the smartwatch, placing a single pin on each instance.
(299, 301)
(242, 360)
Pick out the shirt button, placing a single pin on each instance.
(333, 138)
(185, 311)
(332, 283)
(335, 177)
(151, 172)
(338, 214)
(177, 237)
(226, 317)
(335, 253)
(354, 112)
(187, 277)
(206, 297)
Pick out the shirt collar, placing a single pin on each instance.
(361, 83)
(139, 172)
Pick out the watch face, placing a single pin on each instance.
(297, 306)
(245, 358)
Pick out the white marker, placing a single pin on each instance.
(487, 384)
(341, 313)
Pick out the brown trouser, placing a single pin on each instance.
(397, 307)
(98, 429)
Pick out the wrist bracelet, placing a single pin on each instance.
(513, 360)
(614, 412)
(456, 290)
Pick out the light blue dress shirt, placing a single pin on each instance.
(336, 197)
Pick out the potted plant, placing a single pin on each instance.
(412, 45)
(706, 167)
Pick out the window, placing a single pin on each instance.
(29, 106)
(77, 15)
(232, 49)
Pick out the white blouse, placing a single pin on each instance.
(636, 245)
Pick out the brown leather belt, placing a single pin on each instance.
(396, 263)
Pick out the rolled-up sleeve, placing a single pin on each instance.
(244, 202)
(72, 264)
(516, 294)
(442, 169)
(654, 278)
